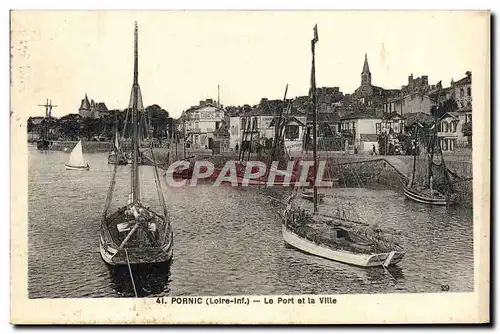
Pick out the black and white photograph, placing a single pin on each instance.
(250, 158)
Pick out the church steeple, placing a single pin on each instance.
(366, 76)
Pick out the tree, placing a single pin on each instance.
(30, 125)
(158, 119)
(69, 126)
(91, 127)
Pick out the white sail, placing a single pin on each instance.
(76, 156)
(117, 144)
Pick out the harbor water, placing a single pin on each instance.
(227, 240)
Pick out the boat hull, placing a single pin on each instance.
(310, 196)
(77, 167)
(146, 255)
(415, 196)
(360, 260)
(112, 160)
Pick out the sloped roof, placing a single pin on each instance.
(420, 117)
(452, 114)
(391, 115)
(368, 137)
(360, 115)
(324, 118)
(85, 103)
(101, 106)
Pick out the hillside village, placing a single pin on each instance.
(370, 119)
(355, 121)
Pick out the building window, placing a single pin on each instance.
(468, 91)
(217, 124)
(254, 125)
(292, 132)
(461, 92)
(243, 124)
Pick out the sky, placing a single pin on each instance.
(184, 55)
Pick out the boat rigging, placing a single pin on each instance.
(134, 234)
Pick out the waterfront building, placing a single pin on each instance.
(451, 125)
(392, 123)
(201, 122)
(257, 125)
(92, 109)
(450, 131)
(221, 136)
(360, 130)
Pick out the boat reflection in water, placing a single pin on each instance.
(149, 279)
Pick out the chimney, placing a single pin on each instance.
(468, 74)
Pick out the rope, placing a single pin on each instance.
(387, 271)
(110, 191)
(130, 272)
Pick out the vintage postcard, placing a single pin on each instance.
(250, 167)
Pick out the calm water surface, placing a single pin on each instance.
(227, 240)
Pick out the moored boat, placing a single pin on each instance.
(135, 234)
(43, 143)
(432, 186)
(337, 238)
(308, 194)
(335, 253)
(116, 156)
(424, 195)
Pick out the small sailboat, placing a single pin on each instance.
(116, 156)
(334, 237)
(135, 234)
(76, 160)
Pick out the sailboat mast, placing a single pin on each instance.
(277, 129)
(314, 109)
(434, 137)
(135, 92)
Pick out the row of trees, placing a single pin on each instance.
(73, 126)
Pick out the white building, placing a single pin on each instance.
(361, 129)
(201, 122)
(258, 126)
(450, 133)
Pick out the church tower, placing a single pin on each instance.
(366, 76)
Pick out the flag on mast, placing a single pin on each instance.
(313, 69)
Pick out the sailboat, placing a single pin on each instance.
(43, 143)
(334, 237)
(76, 160)
(434, 186)
(116, 156)
(134, 234)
